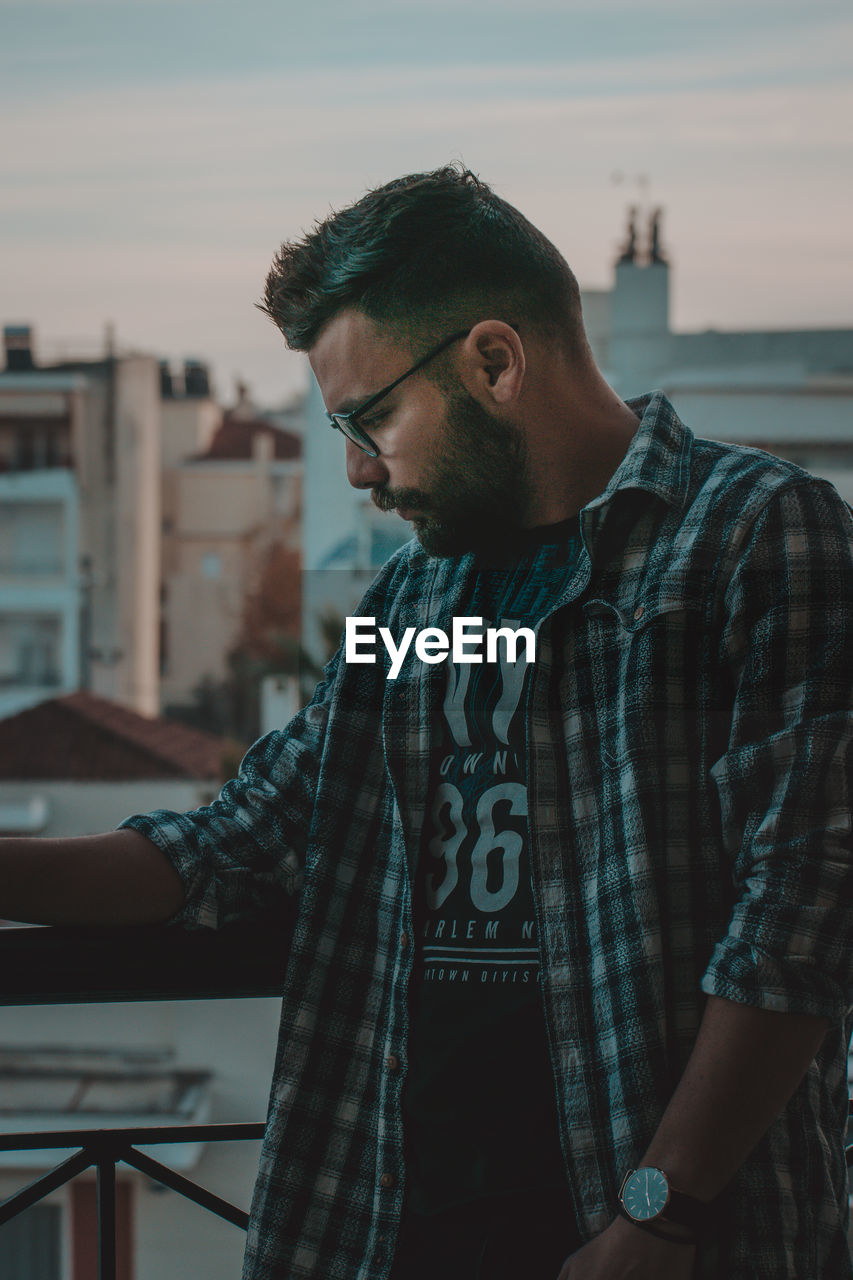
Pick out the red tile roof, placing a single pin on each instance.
(235, 438)
(85, 738)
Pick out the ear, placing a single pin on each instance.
(493, 363)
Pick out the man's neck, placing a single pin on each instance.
(575, 455)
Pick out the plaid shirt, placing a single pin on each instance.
(689, 764)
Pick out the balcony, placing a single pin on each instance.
(53, 966)
(46, 567)
(57, 966)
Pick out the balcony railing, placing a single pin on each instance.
(81, 966)
(68, 966)
(53, 568)
(105, 1148)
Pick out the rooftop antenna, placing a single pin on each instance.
(639, 209)
(656, 253)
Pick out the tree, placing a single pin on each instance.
(267, 643)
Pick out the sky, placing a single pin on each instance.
(155, 153)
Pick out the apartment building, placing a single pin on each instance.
(79, 527)
(232, 508)
(135, 515)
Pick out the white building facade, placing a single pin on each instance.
(40, 591)
(79, 531)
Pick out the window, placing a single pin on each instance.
(30, 650)
(211, 565)
(30, 1245)
(39, 445)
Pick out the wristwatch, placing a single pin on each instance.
(646, 1196)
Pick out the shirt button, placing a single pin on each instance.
(638, 613)
(387, 1181)
(404, 940)
(392, 1062)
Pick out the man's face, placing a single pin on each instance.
(472, 490)
(457, 471)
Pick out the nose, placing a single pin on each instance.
(364, 472)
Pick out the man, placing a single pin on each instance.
(570, 964)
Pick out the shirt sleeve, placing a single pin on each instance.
(241, 857)
(784, 779)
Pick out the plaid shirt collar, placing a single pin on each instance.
(658, 457)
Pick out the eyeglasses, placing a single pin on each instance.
(346, 422)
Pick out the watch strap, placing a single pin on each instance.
(654, 1230)
(686, 1210)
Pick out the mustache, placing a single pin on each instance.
(389, 499)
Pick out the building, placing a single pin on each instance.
(74, 765)
(41, 592)
(77, 764)
(789, 391)
(79, 527)
(189, 416)
(231, 532)
(135, 516)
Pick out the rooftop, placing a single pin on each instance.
(235, 439)
(84, 738)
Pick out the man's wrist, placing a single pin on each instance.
(648, 1199)
(672, 1232)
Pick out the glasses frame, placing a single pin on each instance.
(346, 422)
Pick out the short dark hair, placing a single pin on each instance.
(422, 255)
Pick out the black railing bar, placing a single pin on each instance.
(191, 1190)
(59, 965)
(139, 1136)
(43, 1186)
(201, 989)
(106, 1218)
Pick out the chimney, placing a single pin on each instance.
(18, 347)
(263, 446)
(196, 380)
(167, 386)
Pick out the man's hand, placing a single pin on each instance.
(626, 1252)
(116, 878)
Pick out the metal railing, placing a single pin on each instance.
(31, 568)
(67, 966)
(97, 965)
(106, 1148)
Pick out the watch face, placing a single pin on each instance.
(645, 1194)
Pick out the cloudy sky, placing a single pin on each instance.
(155, 152)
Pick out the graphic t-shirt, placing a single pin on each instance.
(480, 1105)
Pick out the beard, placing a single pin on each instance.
(476, 494)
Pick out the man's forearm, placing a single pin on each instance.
(115, 878)
(744, 1067)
